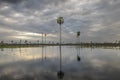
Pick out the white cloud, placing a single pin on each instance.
(96, 27)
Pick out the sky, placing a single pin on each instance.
(97, 20)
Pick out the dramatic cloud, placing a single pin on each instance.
(98, 20)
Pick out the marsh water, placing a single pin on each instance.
(43, 63)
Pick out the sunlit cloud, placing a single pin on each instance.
(35, 34)
(96, 27)
(4, 8)
(5, 30)
(18, 15)
(9, 20)
(21, 37)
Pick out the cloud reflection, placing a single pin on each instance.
(98, 64)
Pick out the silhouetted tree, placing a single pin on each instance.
(20, 41)
(38, 41)
(26, 42)
(78, 34)
(11, 41)
(2, 42)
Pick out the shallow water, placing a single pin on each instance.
(43, 63)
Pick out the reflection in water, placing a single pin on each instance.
(102, 64)
(20, 50)
(42, 51)
(45, 53)
(60, 73)
(78, 53)
(2, 49)
(11, 49)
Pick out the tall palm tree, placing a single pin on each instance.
(45, 38)
(20, 42)
(78, 37)
(42, 38)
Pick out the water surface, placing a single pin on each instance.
(43, 63)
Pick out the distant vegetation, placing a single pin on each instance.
(82, 44)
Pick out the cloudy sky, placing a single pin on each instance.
(98, 20)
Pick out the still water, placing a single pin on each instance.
(43, 63)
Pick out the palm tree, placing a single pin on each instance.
(25, 41)
(11, 41)
(45, 38)
(78, 37)
(20, 42)
(2, 42)
(60, 21)
(78, 33)
(42, 38)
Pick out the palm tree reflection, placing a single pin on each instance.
(42, 51)
(60, 73)
(20, 51)
(78, 54)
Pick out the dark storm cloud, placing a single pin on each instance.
(10, 1)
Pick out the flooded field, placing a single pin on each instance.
(44, 63)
